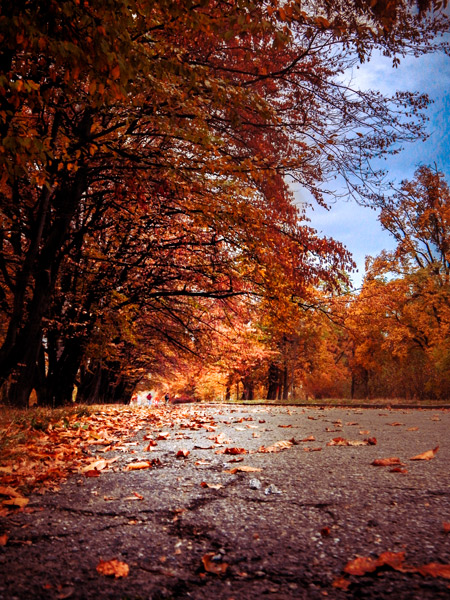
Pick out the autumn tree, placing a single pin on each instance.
(146, 147)
(402, 315)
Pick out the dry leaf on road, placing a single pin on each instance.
(428, 455)
(211, 566)
(387, 462)
(113, 568)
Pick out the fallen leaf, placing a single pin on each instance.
(98, 465)
(446, 527)
(211, 566)
(3, 539)
(213, 486)
(231, 451)
(114, 568)
(277, 447)
(387, 462)
(285, 426)
(412, 429)
(16, 502)
(325, 531)
(395, 424)
(92, 473)
(144, 464)
(164, 435)
(361, 565)
(221, 439)
(435, 570)
(428, 455)
(10, 492)
(341, 583)
(243, 469)
(310, 438)
(364, 432)
(182, 453)
(307, 449)
(398, 470)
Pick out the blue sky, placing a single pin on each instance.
(355, 226)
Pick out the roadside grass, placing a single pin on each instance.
(18, 427)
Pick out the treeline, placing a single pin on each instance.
(144, 211)
(390, 339)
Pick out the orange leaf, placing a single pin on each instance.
(446, 527)
(182, 453)
(435, 570)
(428, 455)
(310, 438)
(16, 502)
(244, 469)
(341, 583)
(398, 470)
(10, 492)
(3, 539)
(114, 568)
(231, 451)
(218, 568)
(92, 473)
(277, 447)
(139, 465)
(213, 486)
(387, 462)
(361, 566)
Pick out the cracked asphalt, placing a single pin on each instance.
(284, 531)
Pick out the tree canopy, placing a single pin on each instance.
(146, 149)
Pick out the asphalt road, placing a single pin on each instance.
(195, 527)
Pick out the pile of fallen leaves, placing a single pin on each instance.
(39, 448)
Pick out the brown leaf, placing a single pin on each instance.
(446, 527)
(412, 429)
(164, 435)
(387, 462)
(285, 426)
(114, 568)
(92, 473)
(364, 432)
(310, 438)
(398, 470)
(396, 424)
(218, 568)
(307, 449)
(3, 539)
(428, 455)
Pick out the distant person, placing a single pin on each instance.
(167, 398)
(149, 398)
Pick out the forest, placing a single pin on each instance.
(149, 236)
